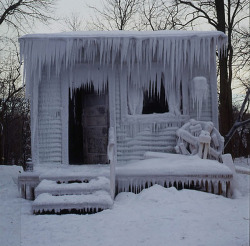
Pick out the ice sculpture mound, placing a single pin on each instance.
(200, 137)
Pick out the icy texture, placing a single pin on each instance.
(195, 135)
(176, 51)
(174, 164)
(199, 93)
(52, 187)
(112, 160)
(135, 100)
(97, 200)
(156, 216)
(134, 60)
(168, 169)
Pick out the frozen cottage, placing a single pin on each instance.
(112, 96)
(142, 85)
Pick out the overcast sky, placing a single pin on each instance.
(65, 8)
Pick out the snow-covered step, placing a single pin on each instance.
(69, 177)
(95, 202)
(77, 188)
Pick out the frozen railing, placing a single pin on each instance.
(156, 132)
(112, 160)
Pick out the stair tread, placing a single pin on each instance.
(52, 187)
(97, 200)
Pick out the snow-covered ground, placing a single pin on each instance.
(157, 216)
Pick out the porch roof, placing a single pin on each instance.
(176, 51)
(166, 34)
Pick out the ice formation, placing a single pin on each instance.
(202, 138)
(174, 170)
(178, 52)
(199, 93)
(128, 61)
(96, 201)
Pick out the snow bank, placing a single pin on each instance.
(156, 216)
(10, 206)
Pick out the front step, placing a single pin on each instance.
(76, 188)
(71, 193)
(91, 203)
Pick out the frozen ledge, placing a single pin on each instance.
(175, 170)
(242, 170)
(122, 34)
(174, 164)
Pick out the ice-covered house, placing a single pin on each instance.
(142, 84)
(92, 92)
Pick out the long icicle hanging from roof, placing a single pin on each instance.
(173, 55)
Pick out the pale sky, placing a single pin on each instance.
(65, 8)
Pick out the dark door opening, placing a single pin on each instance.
(88, 126)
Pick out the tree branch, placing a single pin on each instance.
(10, 9)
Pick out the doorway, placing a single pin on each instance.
(88, 126)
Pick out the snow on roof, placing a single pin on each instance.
(144, 57)
(174, 50)
(125, 34)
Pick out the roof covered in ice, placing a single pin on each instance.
(126, 34)
(142, 57)
(174, 50)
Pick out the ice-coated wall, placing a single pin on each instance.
(49, 120)
(125, 61)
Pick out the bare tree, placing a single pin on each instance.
(115, 14)
(22, 13)
(74, 22)
(11, 98)
(159, 15)
(16, 16)
(241, 59)
(240, 121)
(227, 17)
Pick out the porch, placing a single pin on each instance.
(86, 188)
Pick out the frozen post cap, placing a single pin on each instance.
(29, 165)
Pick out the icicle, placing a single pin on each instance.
(199, 93)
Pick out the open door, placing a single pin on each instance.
(88, 126)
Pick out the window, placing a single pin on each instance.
(155, 102)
